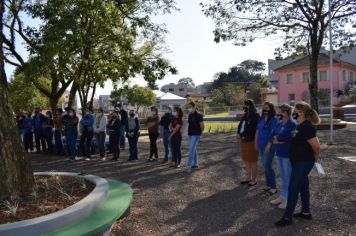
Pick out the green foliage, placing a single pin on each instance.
(187, 81)
(140, 96)
(24, 96)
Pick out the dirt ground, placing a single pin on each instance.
(211, 201)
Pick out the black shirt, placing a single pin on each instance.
(249, 121)
(166, 120)
(124, 117)
(300, 149)
(194, 120)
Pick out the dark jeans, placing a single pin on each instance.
(40, 139)
(153, 144)
(299, 183)
(85, 143)
(28, 141)
(122, 137)
(100, 141)
(133, 148)
(49, 141)
(176, 142)
(72, 143)
(166, 134)
(114, 140)
(58, 141)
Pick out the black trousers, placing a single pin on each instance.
(28, 141)
(40, 139)
(86, 143)
(114, 139)
(153, 144)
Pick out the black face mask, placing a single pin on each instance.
(265, 112)
(280, 116)
(295, 115)
(132, 115)
(245, 108)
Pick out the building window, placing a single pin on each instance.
(289, 78)
(291, 97)
(171, 89)
(305, 77)
(351, 76)
(344, 75)
(323, 76)
(181, 89)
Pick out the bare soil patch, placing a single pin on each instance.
(51, 194)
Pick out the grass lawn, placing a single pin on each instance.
(221, 114)
(220, 127)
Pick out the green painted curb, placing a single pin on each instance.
(115, 205)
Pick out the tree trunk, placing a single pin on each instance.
(313, 61)
(72, 93)
(16, 177)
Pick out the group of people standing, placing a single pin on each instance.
(172, 123)
(291, 136)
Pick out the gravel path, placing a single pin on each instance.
(210, 201)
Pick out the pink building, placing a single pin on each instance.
(293, 78)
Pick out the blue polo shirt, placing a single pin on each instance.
(283, 133)
(265, 130)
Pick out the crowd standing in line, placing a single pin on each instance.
(290, 136)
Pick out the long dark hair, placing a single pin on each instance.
(179, 111)
(251, 106)
(272, 110)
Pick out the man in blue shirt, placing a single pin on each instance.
(38, 120)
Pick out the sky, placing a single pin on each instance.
(192, 48)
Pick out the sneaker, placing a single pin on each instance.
(302, 215)
(103, 159)
(283, 222)
(266, 188)
(177, 166)
(87, 159)
(283, 204)
(272, 191)
(277, 201)
(195, 167)
(251, 184)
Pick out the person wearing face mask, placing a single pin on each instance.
(113, 129)
(38, 120)
(58, 131)
(165, 122)
(47, 126)
(263, 143)
(28, 132)
(281, 140)
(153, 132)
(246, 131)
(304, 150)
(86, 128)
(132, 133)
(195, 130)
(175, 137)
(123, 117)
(99, 131)
(71, 130)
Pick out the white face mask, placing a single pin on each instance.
(153, 113)
(174, 113)
(71, 113)
(190, 110)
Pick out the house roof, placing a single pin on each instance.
(303, 62)
(167, 96)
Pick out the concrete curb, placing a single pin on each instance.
(73, 214)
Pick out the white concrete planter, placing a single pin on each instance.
(73, 214)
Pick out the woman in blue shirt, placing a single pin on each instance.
(263, 143)
(281, 140)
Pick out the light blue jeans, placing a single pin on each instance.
(285, 170)
(122, 137)
(267, 161)
(193, 153)
(166, 135)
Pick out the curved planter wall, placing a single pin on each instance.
(62, 218)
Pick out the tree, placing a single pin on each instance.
(303, 23)
(229, 95)
(152, 85)
(253, 67)
(16, 177)
(140, 96)
(24, 96)
(187, 81)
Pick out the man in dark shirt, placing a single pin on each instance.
(124, 118)
(165, 122)
(195, 130)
